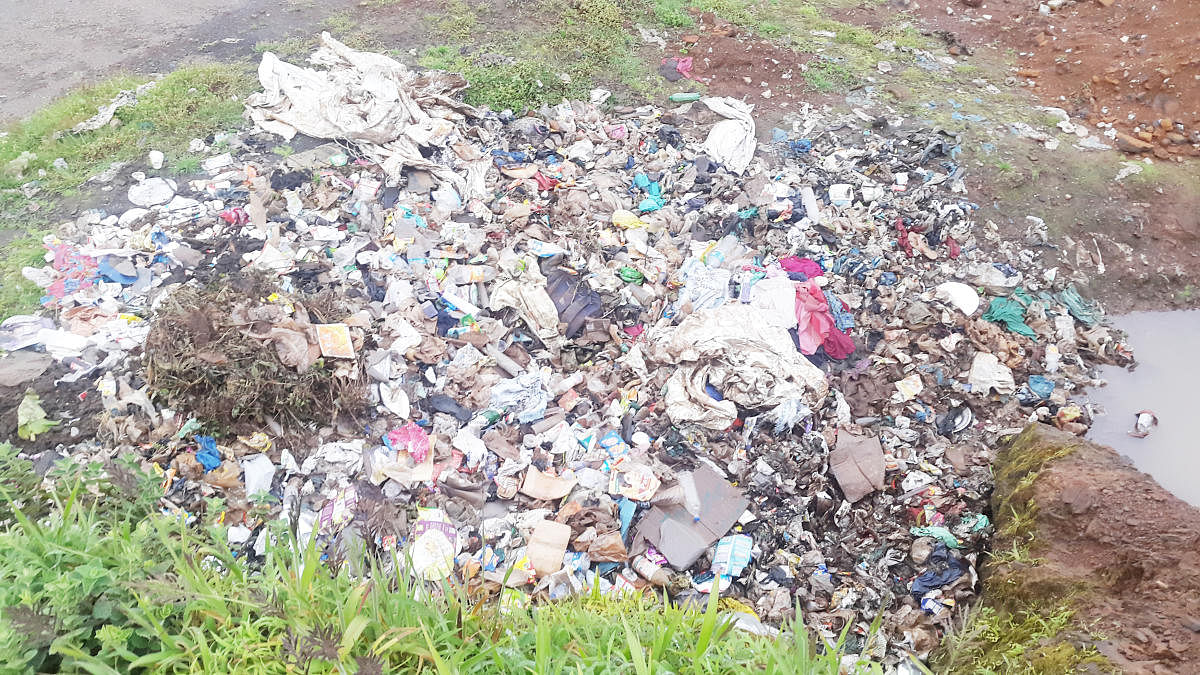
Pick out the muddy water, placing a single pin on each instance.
(1166, 381)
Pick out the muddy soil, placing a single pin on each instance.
(1131, 547)
(75, 406)
(730, 62)
(1132, 63)
(1132, 244)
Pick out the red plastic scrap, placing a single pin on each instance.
(545, 182)
(902, 239)
(235, 216)
(955, 249)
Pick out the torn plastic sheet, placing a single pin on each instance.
(736, 350)
(523, 395)
(731, 142)
(391, 114)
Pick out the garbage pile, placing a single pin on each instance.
(593, 346)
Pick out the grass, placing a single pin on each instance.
(292, 49)
(1027, 620)
(457, 21)
(827, 76)
(194, 101)
(1023, 642)
(588, 46)
(100, 582)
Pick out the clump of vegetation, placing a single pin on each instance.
(827, 76)
(110, 585)
(201, 359)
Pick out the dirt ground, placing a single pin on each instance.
(1134, 64)
(1107, 529)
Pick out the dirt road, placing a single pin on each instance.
(56, 46)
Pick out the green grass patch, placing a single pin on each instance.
(17, 294)
(827, 77)
(456, 21)
(1023, 642)
(94, 579)
(291, 49)
(192, 102)
(589, 46)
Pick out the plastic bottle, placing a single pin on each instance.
(684, 97)
(650, 571)
(691, 497)
(470, 274)
(726, 250)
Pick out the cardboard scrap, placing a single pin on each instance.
(857, 464)
(540, 485)
(548, 545)
(682, 537)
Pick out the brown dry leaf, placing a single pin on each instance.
(212, 357)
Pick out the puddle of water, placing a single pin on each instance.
(1166, 381)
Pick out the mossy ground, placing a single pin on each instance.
(1027, 622)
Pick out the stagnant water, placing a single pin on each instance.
(1165, 381)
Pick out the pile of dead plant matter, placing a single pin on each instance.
(233, 356)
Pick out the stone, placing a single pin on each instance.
(1127, 143)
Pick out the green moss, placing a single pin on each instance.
(1016, 470)
(1028, 622)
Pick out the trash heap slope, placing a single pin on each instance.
(632, 349)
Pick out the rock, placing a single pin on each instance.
(690, 39)
(156, 159)
(1176, 138)
(1127, 143)
(901, 92)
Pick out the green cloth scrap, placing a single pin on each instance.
(1011, 313)
(940, 533)
(1081, 309)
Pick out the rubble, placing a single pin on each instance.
(631, 349)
